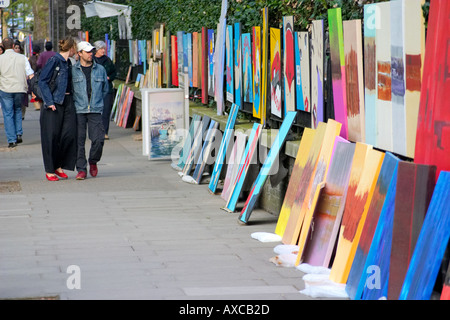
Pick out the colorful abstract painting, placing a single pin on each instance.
(371, 19)
(303, 47)
(248, 157)
(415, 186)
(298, 75)
(275, 72)
(238, 86)
(264, 66)
(211, 39)
(247, 76)
(270, 162)
(433, 240)
(433, 129)
(354, 72)
(325, 218)
(313, 176)
(366, 168)
(256, 58)
(221, 154)
(290, 235)
(289, 76)
(204, 65)
(358, 275)
(317, 62)
(294, 180)
(338, 68)
(229, 47)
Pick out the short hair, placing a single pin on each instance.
(99, 44)
(48, 45)
(8, 43)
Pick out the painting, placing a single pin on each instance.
(290, 235)
(415, 186)
(238, 87)
(380, 248)
(209, 145)
(338, 68)
(247, 159)
(229, 47)
(317, 63)
(356, 279)
(194, 152)
(314, 176)
(247, 76)
(221, 154)
(204, 65)
(267, 169)
(190, 58)
(371, 20)
(211, 79)
(195, 53)
(233, 163)
(294, 180)
(289, 75)
(275, 72)
(366, 168)
(256, 59)
(433, 128)
(325, 218)
(264, 66)
(353, 50)
(174, 48)
(431, 244)
(165, 116)
(414, 50)
(298, 74)
(384, 80)
(303, 47)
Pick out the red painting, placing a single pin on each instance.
(433, 129)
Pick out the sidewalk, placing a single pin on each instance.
(137, 231)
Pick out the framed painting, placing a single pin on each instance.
(275, 72)
(247, 76)
(317, 62)
(288, 63)
(164, 118)
(256, 58)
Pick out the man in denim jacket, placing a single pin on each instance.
(90, 85)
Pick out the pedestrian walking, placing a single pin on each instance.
(33, 63)
(14, 71)
(47, 54)
(58, 117)
(102, 59)
(90, 86)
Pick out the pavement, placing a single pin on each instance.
(135, 232)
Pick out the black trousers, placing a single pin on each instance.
(108, 102)
(93, 124)
(59, 136)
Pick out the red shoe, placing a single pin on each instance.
(81, 175)
(93, 170)
(61, 174)
(51, 178)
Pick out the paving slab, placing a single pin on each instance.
(137, 231)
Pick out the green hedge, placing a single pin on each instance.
(192, 15)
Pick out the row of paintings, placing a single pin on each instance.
(347, 207)
(376, 70)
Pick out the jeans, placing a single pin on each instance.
(94, 125)
(12, 114)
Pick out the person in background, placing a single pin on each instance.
(33, 63)
(14, 71)
(47, 54)
(2, 49)
(58, 117)
(17, 47)
(102, 59)
(90, 86)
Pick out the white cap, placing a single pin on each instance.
(84, 46)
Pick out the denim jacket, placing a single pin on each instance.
(57, 61)
(99, 85)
